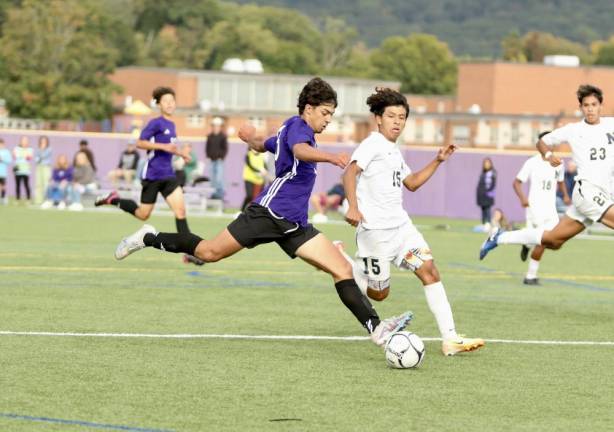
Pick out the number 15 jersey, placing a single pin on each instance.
(380, 184)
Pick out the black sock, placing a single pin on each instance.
(357, 303)
(182, 225)
(173, 242)
(127, 205)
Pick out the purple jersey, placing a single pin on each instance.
(158, 165)
(58, 175)
(288, 195)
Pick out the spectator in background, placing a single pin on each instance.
(126, 169)
(5, 161)
(254, 174)
(84, 181)
(43, 161)
(83, 147)
(216, 150)
(23, 156)
(323, 202)
(571, 170)
(59, 189)
(486, 191)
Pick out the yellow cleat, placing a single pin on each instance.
(462, 344)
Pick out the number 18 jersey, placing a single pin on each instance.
(380, 184)
(542, 191)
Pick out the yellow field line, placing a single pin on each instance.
(141, 270)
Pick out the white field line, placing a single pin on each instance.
(275, 337)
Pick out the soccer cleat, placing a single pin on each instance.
(191, 259)
(524, 252)
(490, 243)
(133, 242)
(462, 344)
(391, 325)
(531, 281)
(106, 199)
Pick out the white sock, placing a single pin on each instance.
(533, 267)
(527, 236)
(440, 307)
(359, 275)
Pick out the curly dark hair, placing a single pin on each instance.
(316, 92)
(161, 91)
(385, 97)
(589, 90)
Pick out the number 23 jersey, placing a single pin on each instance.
(380, 184)
(592, 148)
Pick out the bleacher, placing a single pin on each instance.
(197, 201)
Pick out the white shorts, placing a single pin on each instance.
(542, 220)
(403, 246)
(589, 203)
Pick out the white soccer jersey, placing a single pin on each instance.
(592, 149)
(542, 191)
(380, 184)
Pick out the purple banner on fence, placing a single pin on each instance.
(451, 192)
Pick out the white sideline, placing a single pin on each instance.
(275, 337)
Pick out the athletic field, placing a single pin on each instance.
(260, 342)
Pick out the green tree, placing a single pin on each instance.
(537, 45)
(604, 52)
(513, 48)
(56, 61)
(421, 62)
(338, 42)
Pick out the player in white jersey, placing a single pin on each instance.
(541, 203)
(592, 147)
(385, 234)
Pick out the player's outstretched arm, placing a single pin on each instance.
(305, 152)
(247, 134)
(417, 179)
(353, 215)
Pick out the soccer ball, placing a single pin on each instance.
(404, 350)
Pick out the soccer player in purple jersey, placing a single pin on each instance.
(279, 213)
(159, 139)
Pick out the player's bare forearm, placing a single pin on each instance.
(417, 179)
(306, 153)
(256, 144)
(349, 184)
(565, 192)
(353, 216)
(247, 134)
(546, 152)
(517, 185)
(542, 147)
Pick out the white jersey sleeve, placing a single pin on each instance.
(559, 135)
(364, 154)
(405, 170)
(525, 171)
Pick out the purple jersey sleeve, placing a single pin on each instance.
(270, 144)
(150, 130)
(299, 133)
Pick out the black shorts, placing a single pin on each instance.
(2, 181)
(150, 190)
(256, 225)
